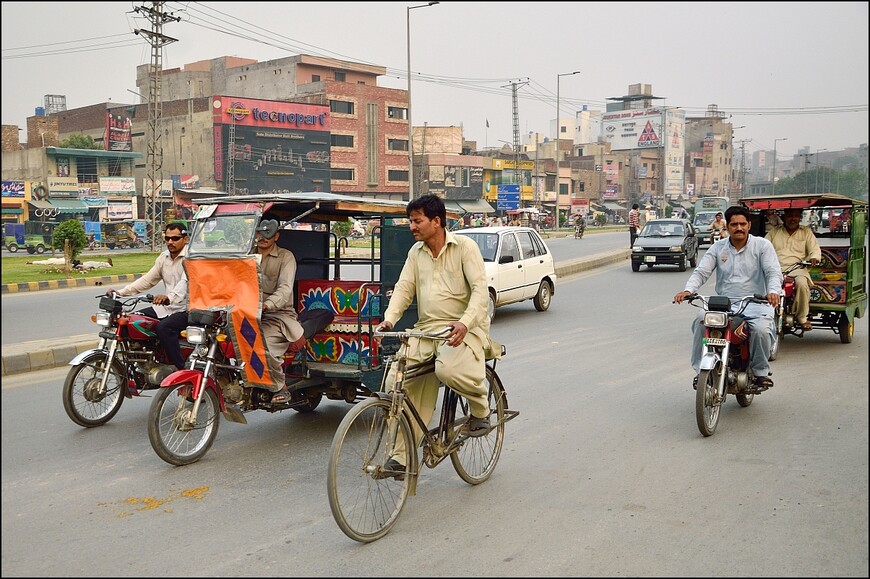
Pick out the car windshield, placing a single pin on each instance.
(667, 229)
(487, 242)
(704, 218)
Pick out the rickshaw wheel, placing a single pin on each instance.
(304, 402)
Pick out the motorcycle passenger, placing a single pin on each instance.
(745, 265)
(173, 304)
(794, 242)
(446, 275)
(718, 224)
(279, 323)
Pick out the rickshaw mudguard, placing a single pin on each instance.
(233, 283)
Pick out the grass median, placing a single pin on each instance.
(26, 268)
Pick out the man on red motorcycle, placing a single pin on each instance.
(745, 265)
(172, 306)
(793, 243)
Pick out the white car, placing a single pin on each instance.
(519, 265)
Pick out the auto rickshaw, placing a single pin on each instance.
(839, 291)
(339, 297)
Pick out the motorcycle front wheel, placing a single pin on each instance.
(173, 437)
(706, 404)
(85, 401)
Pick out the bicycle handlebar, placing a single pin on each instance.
(436, 335)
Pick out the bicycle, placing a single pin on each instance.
(365, 496)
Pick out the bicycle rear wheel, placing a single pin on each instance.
(365, 498)
(475, 459)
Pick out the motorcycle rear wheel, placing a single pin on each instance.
(706, 407)
(170, 437)
(83, 401)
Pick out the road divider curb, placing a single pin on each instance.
(45, 354)
(33, 286)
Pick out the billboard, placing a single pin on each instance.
(276, 146)
(119, 131)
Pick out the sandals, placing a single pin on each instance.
(282, 396)
(806, 326)
(475, 426)
(763, 382)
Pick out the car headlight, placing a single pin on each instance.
(715, 319)
(676, 248)
(196, 335)
(637, 248)
(103, 319)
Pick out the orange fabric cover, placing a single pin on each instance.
(234, 284)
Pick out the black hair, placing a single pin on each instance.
(431, 205)
(737, 210)
(635, 206)
(176, 225)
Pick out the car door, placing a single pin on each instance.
(537, 261)
(510, 279)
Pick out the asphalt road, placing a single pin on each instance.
(603, 473)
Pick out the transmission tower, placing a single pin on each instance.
(516, 124)
(154, 158)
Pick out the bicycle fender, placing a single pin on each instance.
(80, 357)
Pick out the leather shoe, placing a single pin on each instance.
(393, 469)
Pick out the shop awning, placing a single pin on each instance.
(613, 206)
(41, 204)
(67, 206)
(476, 206)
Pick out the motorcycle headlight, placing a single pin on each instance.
(103, 319)
(196, 335)
(715, 319)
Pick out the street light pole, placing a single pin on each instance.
(816, 187)
(773, 173)
(556, 145)
(410, 126)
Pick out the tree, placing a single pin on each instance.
(70, 237)
(80, 141)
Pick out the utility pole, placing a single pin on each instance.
(742, 179)
(516, 126)
(806, 157)
(154, 158)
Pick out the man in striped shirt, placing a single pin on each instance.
(633, 223)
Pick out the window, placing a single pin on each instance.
(509, 247)
(526, 245)
(341, 107)
(315, 78)
(397, 113)
(340, 76)
(342, 140)
(397, 144)
(397, 175)
(342, 174)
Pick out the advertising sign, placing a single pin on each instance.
(118, 186)
(119, 131)
(277, 146)
(13, 189)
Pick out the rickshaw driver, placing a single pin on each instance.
(794, 242)
(445, 272)
(279, 323)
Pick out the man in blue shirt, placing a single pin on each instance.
(745, 265)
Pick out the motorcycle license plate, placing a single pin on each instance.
(650, 259)
(716, 341)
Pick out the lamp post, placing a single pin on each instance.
(410, 126)
(816, 187)
(556, 145)
(773, 173)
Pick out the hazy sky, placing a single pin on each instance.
(793, 70)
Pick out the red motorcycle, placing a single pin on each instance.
(128, 360)
(725, 359)
(784, 317)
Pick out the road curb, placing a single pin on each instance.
(44, 354)
(33, 286)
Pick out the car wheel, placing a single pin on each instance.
(635, 266)
(683, 262)
(543, 297)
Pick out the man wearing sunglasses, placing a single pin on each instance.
(171, 307)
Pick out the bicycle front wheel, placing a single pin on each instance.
(475, 459)
(365, 495)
